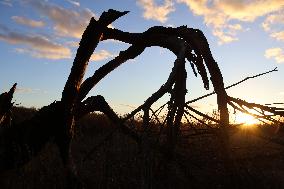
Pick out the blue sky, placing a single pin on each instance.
(39, 38)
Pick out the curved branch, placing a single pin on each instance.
(196, 39)
(132, 52)
(164, 88)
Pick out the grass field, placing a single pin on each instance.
(256, 153)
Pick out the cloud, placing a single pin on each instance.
(278, 35)
(249, 10)
(223, 37)
(273, 24)
(7, 3)
(101, 55)
(76, 3)
(36, 45)
(222, 15)
(156, 12)
(29, 90)
(28, 22)
(129, 106)
(67, 22)
(276, 53)
(72, 44)
(273, 19)
(44, 53)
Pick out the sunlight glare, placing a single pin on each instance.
(246, 119)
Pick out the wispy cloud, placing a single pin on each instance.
(28, 22)
(6, 2)
(76, 3)
(222, 15)
(72, 44)
(45, 53)
(28, 90)
(101, 55)
(36, 45)
(67, 22)
(276, 53)
(156, 12)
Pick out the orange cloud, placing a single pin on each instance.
(220, 14)
(248, 10)
(101, 55)
(45, 53)
(36, 45)
(156, 12)
(28, 22)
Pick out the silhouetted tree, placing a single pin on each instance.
(57, 119)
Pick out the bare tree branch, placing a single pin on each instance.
(202, 114)
(243, 80)
(132, 52)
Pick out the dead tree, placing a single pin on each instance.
(57, 119)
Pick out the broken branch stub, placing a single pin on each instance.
(6, 105)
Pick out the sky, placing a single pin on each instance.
(39, 38)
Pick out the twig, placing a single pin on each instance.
(199, 120)
(201, 114)
(247, 78)
(273, 110)
(275, 103)
(162, 90)
(242, 103)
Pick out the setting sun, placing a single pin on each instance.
(245, 119)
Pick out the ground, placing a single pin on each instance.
(256, 155)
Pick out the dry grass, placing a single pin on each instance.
(116, 162)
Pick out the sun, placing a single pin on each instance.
(245, 119)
